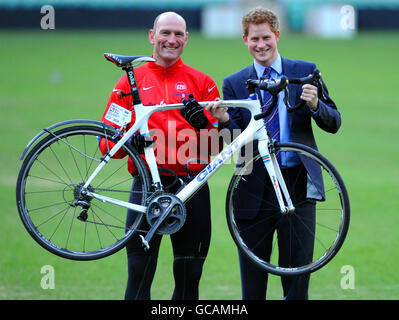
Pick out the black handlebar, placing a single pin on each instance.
(275, 87)
(313, 79)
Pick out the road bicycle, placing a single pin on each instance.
(72, 199)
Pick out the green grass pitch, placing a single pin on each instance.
(51, 76)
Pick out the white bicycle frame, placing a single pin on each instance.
(254, 131)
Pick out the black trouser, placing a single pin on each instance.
(190, 247)
(263, 226)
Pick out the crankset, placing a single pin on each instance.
(165, 214)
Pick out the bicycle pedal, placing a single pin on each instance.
(144, 243)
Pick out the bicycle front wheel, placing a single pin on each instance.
(49, 185)
(297, 242)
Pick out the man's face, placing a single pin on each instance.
(262, 43)
(169, 39)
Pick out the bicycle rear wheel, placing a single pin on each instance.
(292, 243)
(48, 186)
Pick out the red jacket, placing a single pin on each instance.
(176, 140)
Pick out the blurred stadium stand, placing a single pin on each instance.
(371, 14)
(213, 17)
(75, 14)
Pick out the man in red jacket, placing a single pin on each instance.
(177, 136)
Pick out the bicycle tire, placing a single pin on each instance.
(330, 225)
(47, 187)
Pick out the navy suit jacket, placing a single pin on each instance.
(299, 122)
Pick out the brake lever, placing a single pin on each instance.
(287, 98)
(320, 90)
(315, 80)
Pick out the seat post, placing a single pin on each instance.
(133, 84)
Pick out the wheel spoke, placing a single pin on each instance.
(307, 239)
(66, 158)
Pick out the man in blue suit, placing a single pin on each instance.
(261, 35)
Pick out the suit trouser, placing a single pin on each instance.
(293, 249)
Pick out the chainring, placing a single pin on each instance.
(157, 204)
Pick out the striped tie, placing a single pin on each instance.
(271, 121)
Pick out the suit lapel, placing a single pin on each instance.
(289, 67)
(251, 72)
(290, 70)
(252, 75)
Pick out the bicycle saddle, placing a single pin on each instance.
(123, 61)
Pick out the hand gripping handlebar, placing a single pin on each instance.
(276, 86)
(313, 79)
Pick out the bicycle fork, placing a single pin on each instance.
(273, 169)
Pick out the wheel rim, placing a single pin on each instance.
(48, 189)
(329, 226)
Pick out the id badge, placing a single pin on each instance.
(118, 115)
